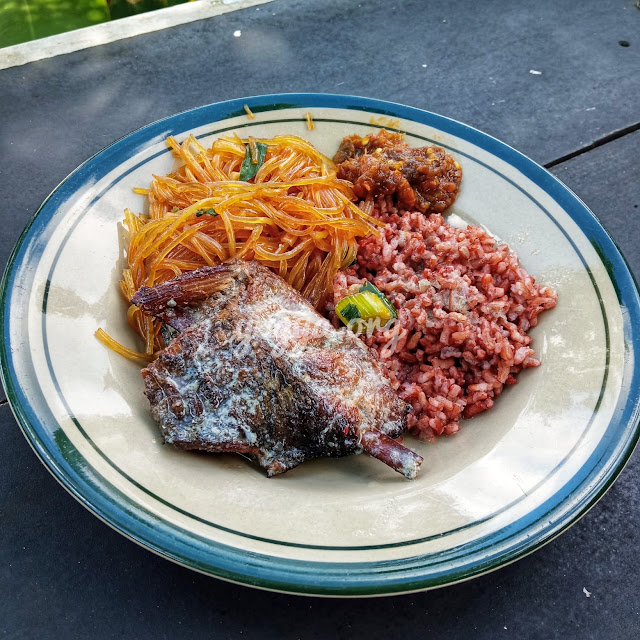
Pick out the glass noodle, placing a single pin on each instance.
(294, 216)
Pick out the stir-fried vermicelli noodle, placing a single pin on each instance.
(293, 215)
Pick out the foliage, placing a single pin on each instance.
(24, 20)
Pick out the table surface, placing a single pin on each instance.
(64, 573)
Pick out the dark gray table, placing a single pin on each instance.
(63, 573)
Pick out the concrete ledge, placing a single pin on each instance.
(62, 43)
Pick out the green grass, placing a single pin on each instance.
(24, 20)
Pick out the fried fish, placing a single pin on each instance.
(255, 370)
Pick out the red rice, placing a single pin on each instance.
(464, 305)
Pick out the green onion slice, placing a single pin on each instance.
(253, 159)
(368, 304)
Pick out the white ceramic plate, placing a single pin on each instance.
(513, 477)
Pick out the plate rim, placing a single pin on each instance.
(300, 576)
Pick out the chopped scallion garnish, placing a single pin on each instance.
(253, 159)
(368, 304)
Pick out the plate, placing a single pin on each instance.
(508, 482)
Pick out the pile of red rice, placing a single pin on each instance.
(464, 308)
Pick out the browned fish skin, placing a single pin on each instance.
(256, 370)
